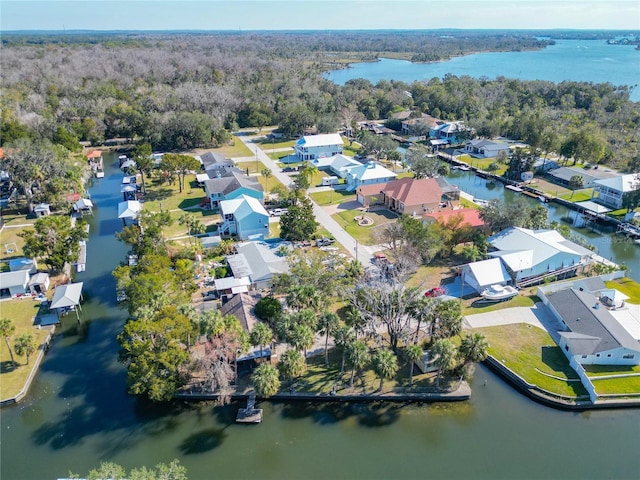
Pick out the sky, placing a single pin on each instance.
(317, 14)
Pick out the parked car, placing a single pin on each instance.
(276, 212)
(210, 295)
(289, 169)
(435, 292)
(323, 242)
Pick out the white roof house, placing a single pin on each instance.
(485, 273)
(311, 147)
(67, 295)
(530, 253)
(244, 216)
(485, 148)
(368, 174)
(338, 164)
(610, 191)
(14, 283)
(259, 261)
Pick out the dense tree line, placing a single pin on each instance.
(185, 91)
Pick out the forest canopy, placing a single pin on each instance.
(183, 91)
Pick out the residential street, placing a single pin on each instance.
(362, 252)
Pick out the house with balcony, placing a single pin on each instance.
(338, 165)
(244, 217)
(232, 185)
(420, 125)
(532, 255)
(451, 132)
(311, 147)
(611, 191)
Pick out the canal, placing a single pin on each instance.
(78, 414)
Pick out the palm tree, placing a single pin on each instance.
(358, 353)
(265, 380)
(260, 336)
(25, 345)
(344, 337)
(328, 323)
(301, 337)
(7, 329)
(473, 348)
(267, 174)
(385, 365)
(421, 310)
(414, 353)
(291, 364)
(444, 353)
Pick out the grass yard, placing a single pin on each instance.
(22, 313)
(267, 145)
(627, 286)
(427, 277)
(577, 195)
(332, 197)
(363, 234)
(10, 243)
(528, 351)
(604, 370)
(475, 305)
(208, 218)
(236, 148)
(617, 386)
(350, 150)
(163, 196)
(278, 155)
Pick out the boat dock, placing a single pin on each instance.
(250, 414)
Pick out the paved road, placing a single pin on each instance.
(361, 252)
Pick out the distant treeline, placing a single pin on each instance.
(190, 90)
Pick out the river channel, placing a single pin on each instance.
(78, 414)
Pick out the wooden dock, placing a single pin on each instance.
(250, 414)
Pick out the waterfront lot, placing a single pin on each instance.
(22, 313)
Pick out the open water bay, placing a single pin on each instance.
(78, 414)
(574, 60)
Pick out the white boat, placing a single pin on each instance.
(499, 292)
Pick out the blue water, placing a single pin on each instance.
(575, 60)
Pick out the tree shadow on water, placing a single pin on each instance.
(202, 441)
(379, 415)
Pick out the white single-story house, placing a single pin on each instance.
(311, 147)
(339, 165)
(483, 274)
(530, 254)
(563, 175)
(260, 261)
(245, 217)
(611, 191)
(368, 174)
(232, 285)
(14, 283)
(593, 336)
(485, 148)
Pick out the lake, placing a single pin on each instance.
(576, 60)
(78, 414)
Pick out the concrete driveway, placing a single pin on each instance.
(538, 316)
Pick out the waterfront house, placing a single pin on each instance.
(592, 335)
(611, 191)
(232, 185)
(485, 273)
(563, 175)
(14, 283)
(532, 255)
(259, 261)
(67, 298)
(470, 217)
(485, 148)
(367, 174)
(412, 196)
(420, 125)
(245, 217)
(451, 132)
(311, 147)
(242, 306)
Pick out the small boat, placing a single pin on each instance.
(543, 199)
(99, 174)
(496, 293)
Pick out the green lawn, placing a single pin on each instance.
(617, 386)
(236, 148)
(528, 351)
(22, 313)
(278, 155)
(363, 234)
(627, 286)
(350, 151)
(168, 197)
(332, 197)
(577, 195)
(604, 370)
(267, 145)
(477, 306)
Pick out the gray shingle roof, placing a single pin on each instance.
(593, 330)
(231, 182)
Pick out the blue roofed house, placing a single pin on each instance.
(245, 217)
(532, 254)
(311, 147)
(338, 165)
(230, 186)
(368, 174)
(611, 191)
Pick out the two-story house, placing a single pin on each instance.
(245, 217)
(233, 185)
(311, 147)
(611, 191)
